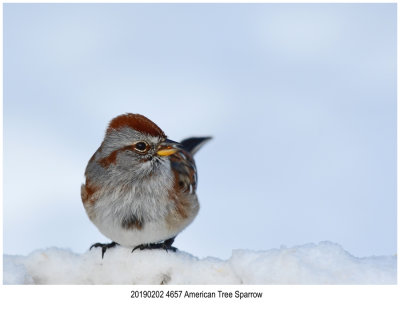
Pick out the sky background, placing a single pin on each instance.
(300, 100)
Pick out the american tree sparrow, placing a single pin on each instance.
(140, 188)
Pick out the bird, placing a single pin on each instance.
(140, 186)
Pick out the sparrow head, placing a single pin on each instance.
(136, 144)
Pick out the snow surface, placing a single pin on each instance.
(324, 263)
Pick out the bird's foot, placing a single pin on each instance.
(104, 247)
(166, 245)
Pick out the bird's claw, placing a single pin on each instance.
(104, 247)
(155, 246)
(166, 245)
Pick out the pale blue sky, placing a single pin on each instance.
(300, 99)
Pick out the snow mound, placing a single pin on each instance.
(324, 263)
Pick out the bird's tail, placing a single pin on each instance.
(193, 144)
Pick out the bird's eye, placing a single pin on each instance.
(141, 146)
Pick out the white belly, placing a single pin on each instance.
(150, 232)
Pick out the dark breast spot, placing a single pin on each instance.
(131, 222)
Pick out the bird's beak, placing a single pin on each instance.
(168, 148)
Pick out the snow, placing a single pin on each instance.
(323, 263)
